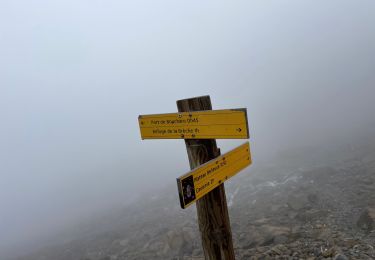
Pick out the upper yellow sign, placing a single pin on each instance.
(209, 124)
(197, 183)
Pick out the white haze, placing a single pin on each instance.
(75, 75)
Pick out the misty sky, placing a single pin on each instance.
(75, 75)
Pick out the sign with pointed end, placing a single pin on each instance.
(210, 124)
(197, 183)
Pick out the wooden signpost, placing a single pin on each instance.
(199, 126)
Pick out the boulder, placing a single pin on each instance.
(297, 202)
(366, 221)
(340, 257)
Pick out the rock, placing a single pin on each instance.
(197, 252)
(310, 215)
(323, 234)
(328, 252)
(349, 243)
(366, 221)
(317, 251)
(175, 243)
(276, 208)
(280, 239)
(278, 250)
(261, 221)
(292, 214)
(313, 198)
(319, 226)
(124, 242)
(340, 257)
(297, 203)
(274, 234)
(188, 234)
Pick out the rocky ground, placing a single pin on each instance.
(318, 207)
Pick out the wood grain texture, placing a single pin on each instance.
(212, 210)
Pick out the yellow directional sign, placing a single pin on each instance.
(210, 124)
(197, 183)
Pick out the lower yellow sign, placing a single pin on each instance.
(197, 183)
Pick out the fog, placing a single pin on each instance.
(75, 75)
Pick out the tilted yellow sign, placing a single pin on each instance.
(195, 184)
(210, 124)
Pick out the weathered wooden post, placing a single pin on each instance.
(200, 126)
(212, 210)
